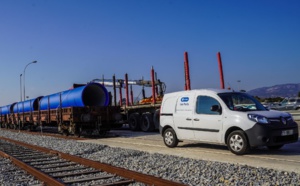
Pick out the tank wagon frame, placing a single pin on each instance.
(72, 111)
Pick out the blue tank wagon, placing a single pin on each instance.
(84, 108)
(6, 115)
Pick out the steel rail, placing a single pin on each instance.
(34, 172)
(136, 176)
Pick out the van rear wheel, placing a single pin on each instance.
(237, 142)
(170, 138)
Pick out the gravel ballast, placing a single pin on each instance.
(184, 170)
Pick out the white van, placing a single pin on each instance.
(226, 117)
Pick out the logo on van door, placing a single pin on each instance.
(184, 101)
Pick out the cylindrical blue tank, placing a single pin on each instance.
(18, 107)
(7, 109)
(28, 105)
(92, 94)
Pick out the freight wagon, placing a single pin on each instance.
(83, 108)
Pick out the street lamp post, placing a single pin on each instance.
(19, 121)
(24, 76)
(21, 86)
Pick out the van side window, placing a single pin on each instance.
(204, 104)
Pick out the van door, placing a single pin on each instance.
(207, 124)
(183, 116)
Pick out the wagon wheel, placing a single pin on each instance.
(78, 131)
(102, 132)
(65, 132)
(89, 132)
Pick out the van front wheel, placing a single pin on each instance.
(170, 138)
(237, 142)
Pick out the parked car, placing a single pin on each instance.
(287, 104)
(230, 118)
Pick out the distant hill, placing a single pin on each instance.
(283, 90)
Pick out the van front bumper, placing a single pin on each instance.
(275, 133)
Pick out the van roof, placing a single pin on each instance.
(211, 90)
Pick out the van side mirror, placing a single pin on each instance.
(216, 108)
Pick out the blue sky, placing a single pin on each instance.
(75, 41)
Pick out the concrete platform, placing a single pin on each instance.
(285, 159)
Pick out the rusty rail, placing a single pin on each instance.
(136, 176)
(34, 172)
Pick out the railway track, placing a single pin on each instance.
(57, 168)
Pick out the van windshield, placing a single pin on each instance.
(241, 102)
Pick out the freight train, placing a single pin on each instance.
(89, 107)
(84, 108)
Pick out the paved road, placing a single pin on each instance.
(286, 159)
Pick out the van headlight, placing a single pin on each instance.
(291, 117)
(258, 118)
